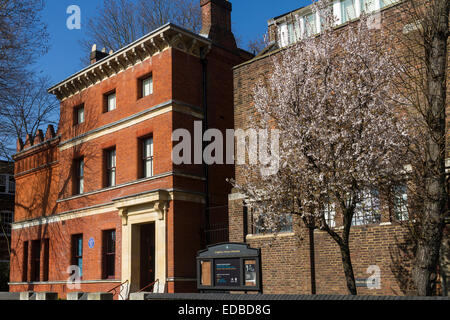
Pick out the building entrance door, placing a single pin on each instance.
(147, 255)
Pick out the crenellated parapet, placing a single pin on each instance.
(37, 139)
(37, 151)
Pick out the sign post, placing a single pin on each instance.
(229, 267)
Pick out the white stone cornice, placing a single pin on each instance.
(168, 36)
(126, 59)
(138, 54)
(82, 81)
(156, 45)
(112, 66)
(176, 39)
(88, 78)
(192, 46)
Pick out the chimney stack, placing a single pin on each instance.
(97, 55)
(216, 22)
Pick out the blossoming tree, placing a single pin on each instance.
(343, 133)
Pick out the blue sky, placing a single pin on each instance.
(63, 59)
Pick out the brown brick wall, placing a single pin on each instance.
(286, 265)
(60, 234)
(285, 259)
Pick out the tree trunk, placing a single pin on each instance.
(444, 264)
(344, 246)
(427, 254)
(424, 270)
(348, 269)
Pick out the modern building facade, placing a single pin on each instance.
(7, 192)
(379, 242)
(102, 195)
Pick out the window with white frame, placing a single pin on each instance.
(370, 5)
(284, 225)
(147, 86)
(290, 32)
(367, 209)
(79, 114)
(310, 24)
(147, 157)
(111, 168)
(283, 31)
(401, 203)
(6, 220)
(385, 3)
(344, 10)
(329, 212)
(79, 176)
(349, 10)
(111, 101)
(294, 29)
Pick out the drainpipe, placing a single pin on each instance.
(205, 127)
(312, 260)
(245, 222)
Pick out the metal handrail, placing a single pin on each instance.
(114, 290)
(151, 284)
(120, 292)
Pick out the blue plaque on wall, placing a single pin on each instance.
(91, 243)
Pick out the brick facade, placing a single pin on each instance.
(286, 256)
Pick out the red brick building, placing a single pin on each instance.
(102, 192)
(377, 239)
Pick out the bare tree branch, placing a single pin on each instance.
(120, 22)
